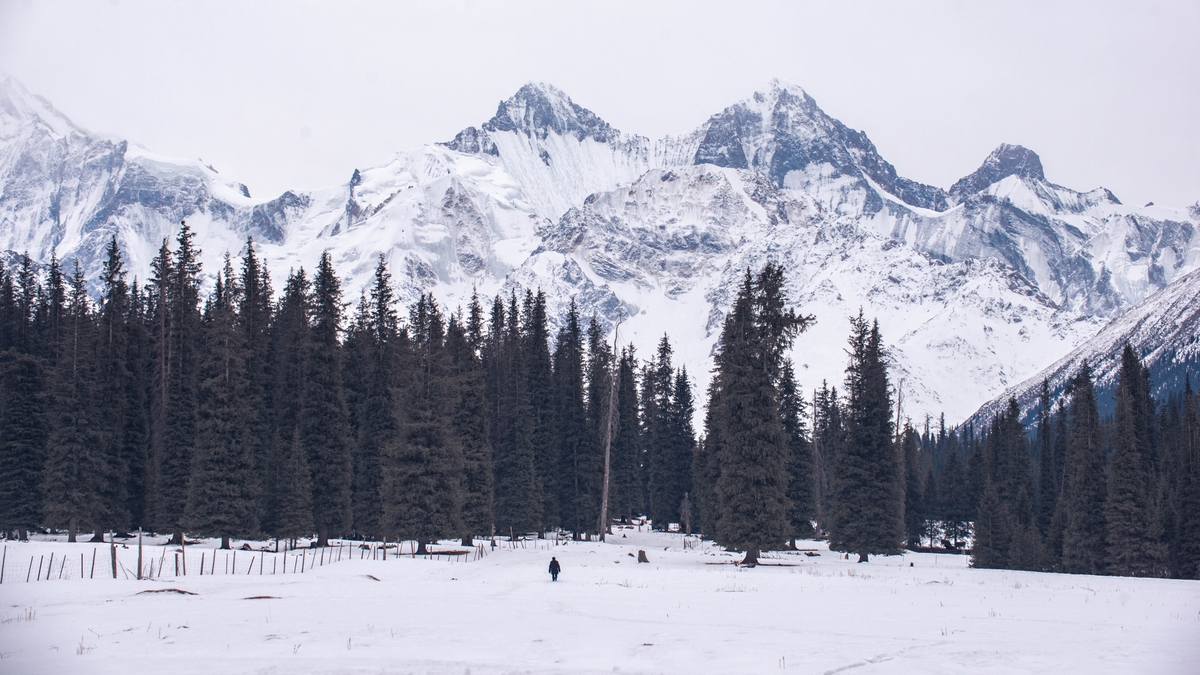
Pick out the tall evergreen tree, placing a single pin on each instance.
(518, 500)
(745, 430)
(868, 478)
(625, 495)
(77, 471)
(1083, 545)
(323, 425)
(1187, 529)
(289, 354)
(802, 482)
(22, 442)
(539, 386)
(222, 495)
(1133, 547)
(376, 351)
(914, 524)
(423, 471)
(470, 423)
(575, 447)
(599, 393)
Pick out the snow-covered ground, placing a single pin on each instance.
(687, 611)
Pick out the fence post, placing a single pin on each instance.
(49, 568)
(92, 574)
(112, 543)
(4, 559)
(139, 576)
(202, 563)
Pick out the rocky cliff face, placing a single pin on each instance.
(976, 287)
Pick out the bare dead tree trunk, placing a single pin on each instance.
(225, 543)
(72, 529)
(604, 527)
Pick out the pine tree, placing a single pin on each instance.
(599, 390)
(222, 494)
(517, 496)
(953, 492)
(22, 442)
(868, 487)
(992, 535)
(254, 329)
(177, 282)
(1083, 544)
(657, 394)
(802, 484)
(625, 496)
(1133, 550)
(377, 349)
(1187, 529)
(470, 424)
(744, 423)
(914, 523)
(323, 425)
(1048, 485)
(289, 352)
(539, 383)
(828, 436)
(423, 471)
(575, 447)
(77, 471)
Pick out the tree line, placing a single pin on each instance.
(237, 413)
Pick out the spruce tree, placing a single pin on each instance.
(657, 395)
(470, 424)
(423, 470)
(1048, 485)
(222, 494)
(1083, 545)
(289, 352)
(868, 487)
(575, 446)
(802, 484)
(254, 329)
(744, 423)
(22, 442)
(914, 524)
(992, 535)
(625, 495)
(323, 425)
(599, 390)
(518, 500)
(1187, 529)
(376, 353)
(828, 436)
(77, 471)
(1133, 550)
(539, 386)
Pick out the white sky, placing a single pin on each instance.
(1107, 94)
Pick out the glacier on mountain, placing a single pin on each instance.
(976, 287)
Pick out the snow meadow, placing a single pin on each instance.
(690, 609)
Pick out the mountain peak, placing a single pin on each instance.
(21, 106)
(1006, 160)
(538, 109)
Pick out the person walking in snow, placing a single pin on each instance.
(554, 569)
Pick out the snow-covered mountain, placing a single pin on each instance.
(1163, 329)
(975, 287)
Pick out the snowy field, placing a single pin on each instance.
(687, 611)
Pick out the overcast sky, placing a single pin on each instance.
(296, 95)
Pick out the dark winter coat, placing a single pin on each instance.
(554, 568)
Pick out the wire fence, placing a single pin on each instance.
(58, 561)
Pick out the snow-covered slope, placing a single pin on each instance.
(1164, 330)
(976, 287)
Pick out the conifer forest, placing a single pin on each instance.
(241, 410)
